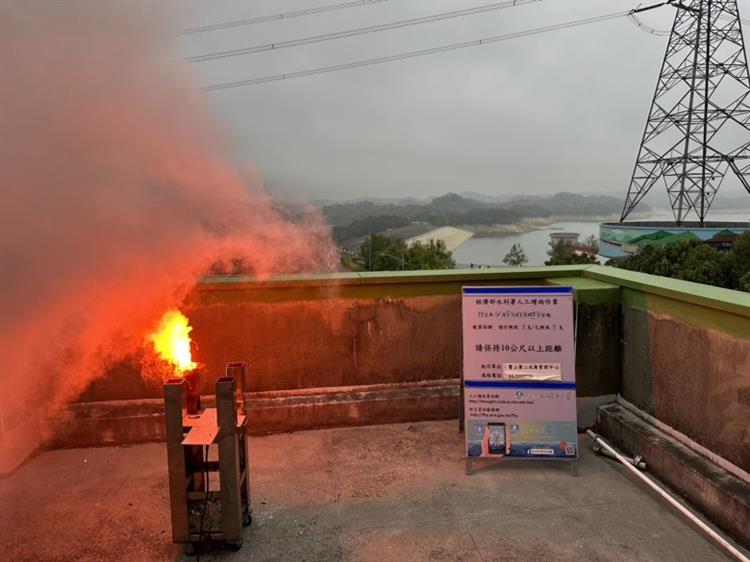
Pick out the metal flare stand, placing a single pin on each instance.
(201, 510)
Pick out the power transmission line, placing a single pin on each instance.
(664, 32)
(414, 54)
(359, 31)
(274, 17)
(647, 28)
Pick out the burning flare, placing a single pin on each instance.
(172, 341)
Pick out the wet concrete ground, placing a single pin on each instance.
(382, 493)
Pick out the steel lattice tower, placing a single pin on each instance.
(699, 123)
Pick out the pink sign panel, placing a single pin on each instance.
(511, 330)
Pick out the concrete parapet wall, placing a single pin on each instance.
(678, 350)
(392, 340)
(362, 329)
(694, 379)
(686, 358)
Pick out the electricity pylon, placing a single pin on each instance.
(699, 124)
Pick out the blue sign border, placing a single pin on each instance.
(563, 385)
(516, 290)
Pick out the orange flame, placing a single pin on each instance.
(172, 341)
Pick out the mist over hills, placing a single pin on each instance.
(358, 218)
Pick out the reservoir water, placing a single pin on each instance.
(491, 251)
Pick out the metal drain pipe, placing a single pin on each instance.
(637, 461)
(726, 545)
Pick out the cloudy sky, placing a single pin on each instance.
(558, 111)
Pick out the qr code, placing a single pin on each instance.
(570, 450)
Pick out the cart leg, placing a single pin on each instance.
(234, 545)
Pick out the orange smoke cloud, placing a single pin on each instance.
(116, 193)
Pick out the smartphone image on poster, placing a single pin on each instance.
(496, 445)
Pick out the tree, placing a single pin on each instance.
(592, 243)
(516, 257)
(381, 253)
(737, 264)
(361, 227)
(431, 255)
(691, 261)
(563, 253)
(695, 261)
(702, 264)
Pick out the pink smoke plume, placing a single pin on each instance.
(116, 195)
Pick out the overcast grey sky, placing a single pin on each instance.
(559, 111)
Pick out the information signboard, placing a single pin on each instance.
(519, 373)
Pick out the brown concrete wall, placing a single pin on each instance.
(345, 342)
(693, 378)
(598, 349)
(312, 344)
(636, 358)
(334, 342)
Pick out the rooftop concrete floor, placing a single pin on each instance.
(393, 492)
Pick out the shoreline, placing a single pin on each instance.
(530, 224)
(452, 236)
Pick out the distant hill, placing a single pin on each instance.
(452, 202)
(487, 198)
(566, 203)
(358, 218)
(392, 200)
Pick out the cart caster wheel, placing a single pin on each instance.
(189, 549)
(247, 520)
(234, 545)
